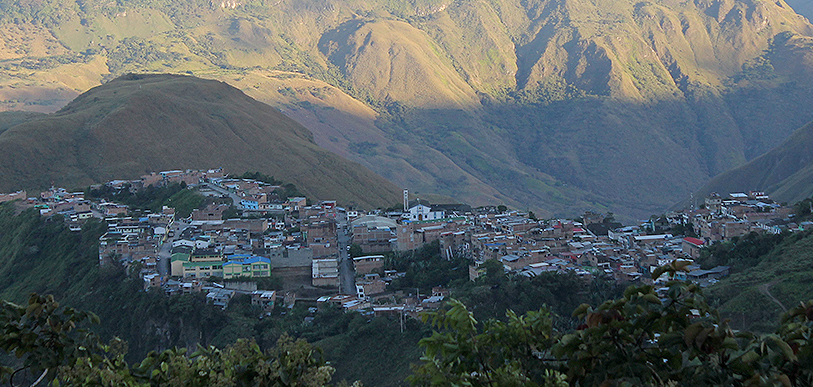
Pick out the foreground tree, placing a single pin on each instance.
(664, 337)
(495, 353)
(52, 346)
(42, 337)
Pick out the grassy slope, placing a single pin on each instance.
(664, 65)
(13, 118)
(45, 257)
(394, 60)
(787, 269)
(130, 126)
(784, 172)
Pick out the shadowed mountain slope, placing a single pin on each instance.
(141, 123)
(553, 105)
(786, 172)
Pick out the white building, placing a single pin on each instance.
(422, 212)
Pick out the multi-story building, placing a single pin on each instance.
(374, 234)
(245, 265)
(325, 272)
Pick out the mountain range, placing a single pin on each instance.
(553, 105)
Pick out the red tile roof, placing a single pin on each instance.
(694, 241)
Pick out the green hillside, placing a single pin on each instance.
(141, 123)
(553, 105)
(776, 281)
(786, 172)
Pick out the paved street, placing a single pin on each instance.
(235, 199)
(347, 275)
(164, 254)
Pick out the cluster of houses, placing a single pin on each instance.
(304, 244)
(722, 218)
(71, 205)
(588, 247)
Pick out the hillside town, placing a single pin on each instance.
(307, 245)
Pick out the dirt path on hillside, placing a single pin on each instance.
(766, 290)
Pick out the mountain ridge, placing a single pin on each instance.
(785, 172)
(164, 122)
(438, 78)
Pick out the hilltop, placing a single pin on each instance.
(553, 105)
(139, 123)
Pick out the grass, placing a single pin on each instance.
(789, 263)
(179, 122)
(412, 63)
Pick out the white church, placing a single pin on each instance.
(422, 212)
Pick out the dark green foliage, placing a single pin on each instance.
(231, 213)
(803, 210)
(759, 68)
(290, 191)
(494, 353)
(269, 283)
(355, 250)
(740, 252)
(375, 350)
(780, 279)
(185, 201)
(43, 256)
(642, 338)
(685, 230)
(492, 295)
(38, 255)
(425, 268)
(45, 337)
(50, 13)
(152, 198)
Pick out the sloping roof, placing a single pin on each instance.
(179, 257)
(694, 241)
(510, 258)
